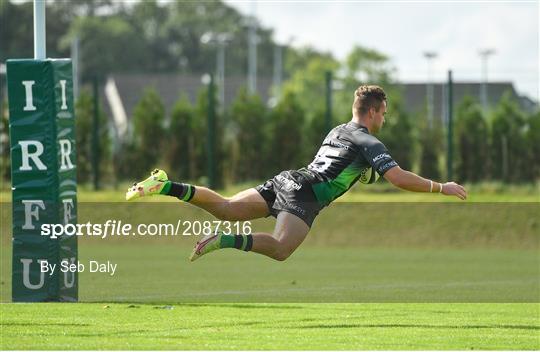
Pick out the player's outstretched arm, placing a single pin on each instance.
(412, 182)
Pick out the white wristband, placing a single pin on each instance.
(430, 186)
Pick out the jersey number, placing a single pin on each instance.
(323, 159)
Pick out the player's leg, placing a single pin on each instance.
(246, 205)
(289, 233)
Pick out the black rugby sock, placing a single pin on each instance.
(182, 191)
(241, 242)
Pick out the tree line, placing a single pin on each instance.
(254, 142)
(159, 36)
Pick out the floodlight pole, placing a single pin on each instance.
(450, 150)
(429, 88)
(328, 112)
(211, 135)
(484, 55)
(278, 69)
(252, 50)
(220, 73)
(39, 30)
(280, 51)
(221, 40)
(76, 67)
(252, 56)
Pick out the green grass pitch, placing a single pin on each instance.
(389, 326)
(160, 305)
(442, 285)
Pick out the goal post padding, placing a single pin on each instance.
(43, 176)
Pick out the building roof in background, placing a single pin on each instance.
(171, 86)
(415, 96)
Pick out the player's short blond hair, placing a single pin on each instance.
(367, 97)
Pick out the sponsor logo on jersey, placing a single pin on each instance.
(387, 166)
(381, 156)
(334, 143)
(288, 184)
(363, 173)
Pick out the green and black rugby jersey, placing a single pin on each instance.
(348, 153)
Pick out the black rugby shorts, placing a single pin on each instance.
(290, 192)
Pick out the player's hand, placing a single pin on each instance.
(453, 189)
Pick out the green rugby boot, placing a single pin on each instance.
(151, 186)
(206, 245)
